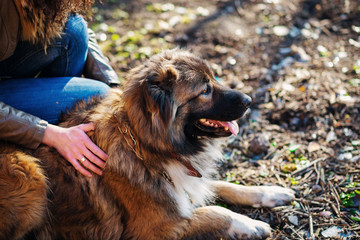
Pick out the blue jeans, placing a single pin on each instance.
(58, 69)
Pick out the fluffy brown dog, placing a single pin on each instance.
(161, 138)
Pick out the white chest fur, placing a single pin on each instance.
(190, 192)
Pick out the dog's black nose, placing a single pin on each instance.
(245, 100)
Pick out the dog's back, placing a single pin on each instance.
(159, 135)
(23, 189)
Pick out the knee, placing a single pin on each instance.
(84, 87)
(76, 33)
(99, 88)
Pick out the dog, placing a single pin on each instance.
(161, 132)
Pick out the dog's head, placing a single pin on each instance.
(175, 99)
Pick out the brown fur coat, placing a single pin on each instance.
(43, 20)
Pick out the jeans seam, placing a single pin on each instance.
(67, 63)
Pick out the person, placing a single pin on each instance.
(45, 48)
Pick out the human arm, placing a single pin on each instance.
(72, 143)
(20, 128)
(97, 66)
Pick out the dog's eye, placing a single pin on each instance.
(207, 90)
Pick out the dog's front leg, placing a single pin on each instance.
(215, 222)
(255, 196)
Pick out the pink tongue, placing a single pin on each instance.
(233, 126)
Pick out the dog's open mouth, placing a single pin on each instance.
(217, 128)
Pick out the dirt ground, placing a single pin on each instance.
(300, 62)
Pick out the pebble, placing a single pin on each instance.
(331, 232)
(255, 116)
(231, 60)
(316, 188)
(285, 50)
(293, 219)
(313, 146)
(330, 136)
(280, 31)
(303, 56)
(288, 87)
(345, 156)
(355, 159)
(321, 49)
(354, 43)
(355, 28)
(258, 145)
(344, 69)
(203, 11)
(101, 37)
(325, 214)
(329, 64)
(294, 32)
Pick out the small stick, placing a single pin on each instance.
(317, 174)
(312, 236)
(296, 232)
(334, 208)
(322, 175)
(308, 165)
(279, 179)
(335, 195)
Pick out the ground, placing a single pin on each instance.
(300, 62)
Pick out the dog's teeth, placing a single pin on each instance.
(211, 124)
(203, 120)
(226, 129)
(207, 122)
(216, 125)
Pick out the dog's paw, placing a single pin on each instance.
(243, 227)
(272, 196)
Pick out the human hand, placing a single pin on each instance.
(76, 147)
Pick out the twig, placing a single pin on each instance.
(296, 232)
(300, 213)
(335, 195)
(308, 201)
(317, 174)
(311, 225)
(308, 165)
(334, 208)
(279, 179)
(308, 174)
(322, 175)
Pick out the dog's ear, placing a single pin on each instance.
(160, 89)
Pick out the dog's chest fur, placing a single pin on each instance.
(188, 191)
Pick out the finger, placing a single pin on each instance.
(86, 127)
(95, 149)
(80, 168)
(91, 167)
(92, 158)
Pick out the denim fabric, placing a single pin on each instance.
(64, 56)
(48, 97)
(57, 69)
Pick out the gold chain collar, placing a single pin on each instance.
(191, 170)
(125, 131)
